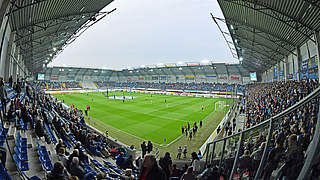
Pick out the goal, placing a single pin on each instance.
(219, 106)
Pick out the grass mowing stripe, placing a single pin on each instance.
(140, 117)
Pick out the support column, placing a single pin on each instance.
(8, 59)
(299, 62)
(3, 41)
(317, 38)
(278, 72)
(285, 69)
(266, 76)
(14, 71)
(3, 9)
(293, 71)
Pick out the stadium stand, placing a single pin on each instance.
(41, 138)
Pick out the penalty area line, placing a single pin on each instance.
(166, 145)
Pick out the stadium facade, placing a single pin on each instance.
(170, 73)
(275, 41)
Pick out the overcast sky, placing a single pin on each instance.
(148, 32)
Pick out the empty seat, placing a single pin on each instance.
(22, 165)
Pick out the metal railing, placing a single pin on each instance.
(216, 154)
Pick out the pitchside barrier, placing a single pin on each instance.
(222, 124)
(206, 94)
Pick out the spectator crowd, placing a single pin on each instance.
(78, 143)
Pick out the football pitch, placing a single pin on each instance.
(158, 118)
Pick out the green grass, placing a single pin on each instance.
(148, 118)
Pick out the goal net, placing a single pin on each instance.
(219, 106)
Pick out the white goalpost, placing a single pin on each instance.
(219, 106)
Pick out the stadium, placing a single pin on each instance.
(252, 118)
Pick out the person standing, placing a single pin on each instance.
(179, 152)
(200, 123)
(189, 175)
(3, 97)
(151, 170)
(190, 135)
(150, 146)
(10, 81)
(144, 148)
(195, 162)
(166, 164)
(182, 130)
(185, 151)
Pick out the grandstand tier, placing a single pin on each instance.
(255, 119)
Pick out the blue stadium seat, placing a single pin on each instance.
(100, 166)
(21, 150)
(35, 178)
(112, 166)
(47, 165)
(23, 166)
(87, 167)
(21, 156)
(4, 174)
(90, 175)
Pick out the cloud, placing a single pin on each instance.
(150, 32)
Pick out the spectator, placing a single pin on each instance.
(166, 164)
(189, 175)
(82, 155)
(128, 175)
(57, 172)
(245, 163)
(304, 139)
(184, 168)
(76, 169)
(10, 81)
(175, 172)
(150, 146)
(294, 159)
(3, 97)
(151, 170)
(207, 173)
(143, 148)
(195, 162)
(60, 144)
(75, 153)
(185, 151)
(62, 157)
(179, 152)
(273, 159)
(257, 155)
(39, 129)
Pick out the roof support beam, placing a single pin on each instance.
(235, 55)
(260, 44)
(252, 49)
(56, 22)
(230, 20)
(278, 43)
(245, 5)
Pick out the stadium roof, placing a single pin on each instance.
(265, 32)
(191, 69)
(43, 28)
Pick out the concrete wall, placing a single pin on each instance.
(11, 63)
(291, 67)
